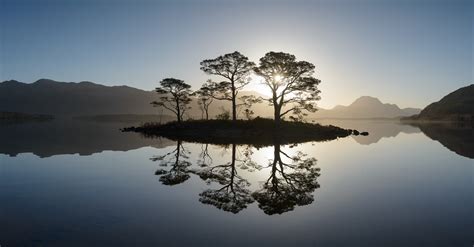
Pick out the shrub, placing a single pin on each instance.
(224, 115)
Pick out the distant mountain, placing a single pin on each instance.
(366, 107)
(90, 99)
(456, 106)
(67, 98)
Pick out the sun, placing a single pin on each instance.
(278, 78)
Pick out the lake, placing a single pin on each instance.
(83, 183)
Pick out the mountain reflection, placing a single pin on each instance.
(457, 137)
(286, 181)
(378, 129)
(67, 136)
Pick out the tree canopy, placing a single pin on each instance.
(291, 82)
(174, 96)
(294, 90)
(235, 68)
(205, 97)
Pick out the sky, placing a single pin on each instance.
(407, 52)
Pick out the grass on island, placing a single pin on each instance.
(257, 132)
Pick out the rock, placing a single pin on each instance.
(365, 133)
(160, 172)
(355, 132)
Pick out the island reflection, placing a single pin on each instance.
(60, 136)
(289, 180)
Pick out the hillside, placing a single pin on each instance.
(456, 106)
(84, 98)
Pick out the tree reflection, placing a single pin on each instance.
(289, 184)
(234, 194)
(177, 163)
(204, 158)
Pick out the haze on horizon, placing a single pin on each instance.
(406, 52)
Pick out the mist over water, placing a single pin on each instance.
(395, 187)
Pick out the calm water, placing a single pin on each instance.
(87, 184)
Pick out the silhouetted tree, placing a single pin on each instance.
(291, 83)
(177, 163)
(233, 196)
(204, 99)
(289, 184)
(236, 68)
(174, 96)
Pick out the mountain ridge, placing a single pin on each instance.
(366, 107)
(46, 96)
(457, 106)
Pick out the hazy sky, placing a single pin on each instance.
(405, 52)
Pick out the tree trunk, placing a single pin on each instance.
(178, 115)
(178, 112)
(277, 111)
(233, 163)
(234, 105)
(276, 159)
(178, 149)
(277, 116)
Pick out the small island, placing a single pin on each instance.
(257, 132)
(293, 93)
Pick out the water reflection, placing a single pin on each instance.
(289, 180)
(49, 202)
(67, 136)
(458, 138)
(177, 164)
(289, 184)
(378, 129)
(232, 194)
